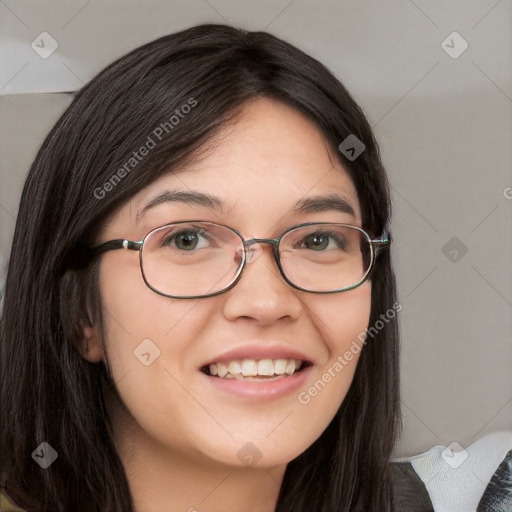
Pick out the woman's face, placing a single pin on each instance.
(261, 170)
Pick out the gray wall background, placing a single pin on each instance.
(444, 125)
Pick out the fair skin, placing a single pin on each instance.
(179, 436)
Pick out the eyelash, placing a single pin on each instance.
(171, 237)
(193, 230)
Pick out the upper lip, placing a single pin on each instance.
(260, 351)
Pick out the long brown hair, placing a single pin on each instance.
(49, 393)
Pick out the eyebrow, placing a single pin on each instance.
(179, 196)
(323, 204)
(314, 204)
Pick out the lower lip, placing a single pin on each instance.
(262, 390)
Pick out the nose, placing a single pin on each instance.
(262, 294)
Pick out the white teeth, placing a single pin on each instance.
(290, 367)
(222, 369)
(266, 367)
(234, 367)
(237, 369)
(280, 366)
(249, 368)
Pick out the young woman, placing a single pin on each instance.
(200, 309)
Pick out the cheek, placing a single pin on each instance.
(132, 311)
(145, 333)
(147, 338)
(342, 321)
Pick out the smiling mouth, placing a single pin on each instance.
(255, 369)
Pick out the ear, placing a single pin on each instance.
(90, 345)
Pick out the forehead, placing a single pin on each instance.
(269, 158)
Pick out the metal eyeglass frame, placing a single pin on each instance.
(375, 246)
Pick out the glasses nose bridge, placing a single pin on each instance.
(253, 253)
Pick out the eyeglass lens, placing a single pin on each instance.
(200, 258)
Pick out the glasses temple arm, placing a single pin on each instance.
(119, 243)
(82, 254)
(382, 242)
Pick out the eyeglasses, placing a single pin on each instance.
(193, 259)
